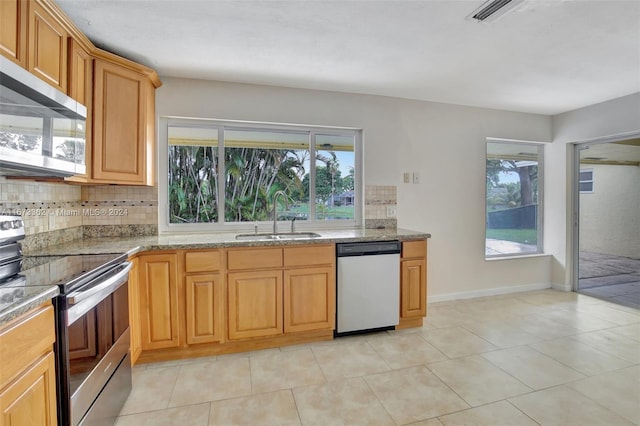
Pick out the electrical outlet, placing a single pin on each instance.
(391, 211)
(416, 178)
(407, 177)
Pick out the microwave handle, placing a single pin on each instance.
(106, 286)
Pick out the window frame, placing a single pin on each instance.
(540, 210)
(164, 227)
(592, 181)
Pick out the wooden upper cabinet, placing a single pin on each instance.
(80, 88)
(123, 125)
(47, 47)
(119, 94)
(80, 73)
(13, 30)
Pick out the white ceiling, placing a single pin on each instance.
(545, 56)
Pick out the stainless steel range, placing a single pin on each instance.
(92, 324)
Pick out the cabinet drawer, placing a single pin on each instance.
(309, 255)
(255, 258)
(202, 261)
(25, 340)
(414, 249)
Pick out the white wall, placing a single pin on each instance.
(444, 143)
(618, 116)
(610, 215)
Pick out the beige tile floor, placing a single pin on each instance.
(544, 357)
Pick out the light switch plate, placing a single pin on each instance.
(407, 177)
(416, 178)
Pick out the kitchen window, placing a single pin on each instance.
(225, 174)
(513, 213)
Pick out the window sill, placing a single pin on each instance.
(516, 256)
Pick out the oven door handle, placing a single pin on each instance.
(107, 286)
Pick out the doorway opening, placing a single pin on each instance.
(607, 187)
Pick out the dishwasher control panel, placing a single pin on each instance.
(368, 248)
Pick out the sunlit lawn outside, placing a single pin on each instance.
(523, 236)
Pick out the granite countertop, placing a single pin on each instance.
(133, 245)
(16, 300)
(19, 299)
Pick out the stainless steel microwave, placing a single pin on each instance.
(42, 130)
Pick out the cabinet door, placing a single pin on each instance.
(255, 304)
(13, 32)
(47, 47)
(159, 301)
(120, 124)
(24, 340)
(31, 399)
(204, 308)
(134, 312)
(80, 70)
(309, 299)
(413, 289)
(80, 88)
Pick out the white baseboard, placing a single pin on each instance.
(488, 292)
(561, 287)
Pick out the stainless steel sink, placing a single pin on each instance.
(278, 236)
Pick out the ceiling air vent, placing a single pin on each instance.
(493, 9)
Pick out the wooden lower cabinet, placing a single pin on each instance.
(309, 299)
(200, 302)
(31, 399)
(158, 285)
(204, 308)
(413, 283)
(255, 304)
(135, 328)
(27, 369)
(413, 298)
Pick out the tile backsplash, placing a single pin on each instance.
(120, 205)
(43, 206)
(55, 213)
(376, 200)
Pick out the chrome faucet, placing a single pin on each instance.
(275, 208)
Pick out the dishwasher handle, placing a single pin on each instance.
(368, 248)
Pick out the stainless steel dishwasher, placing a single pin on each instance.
(368, 286)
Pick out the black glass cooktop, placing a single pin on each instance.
(68, 272)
